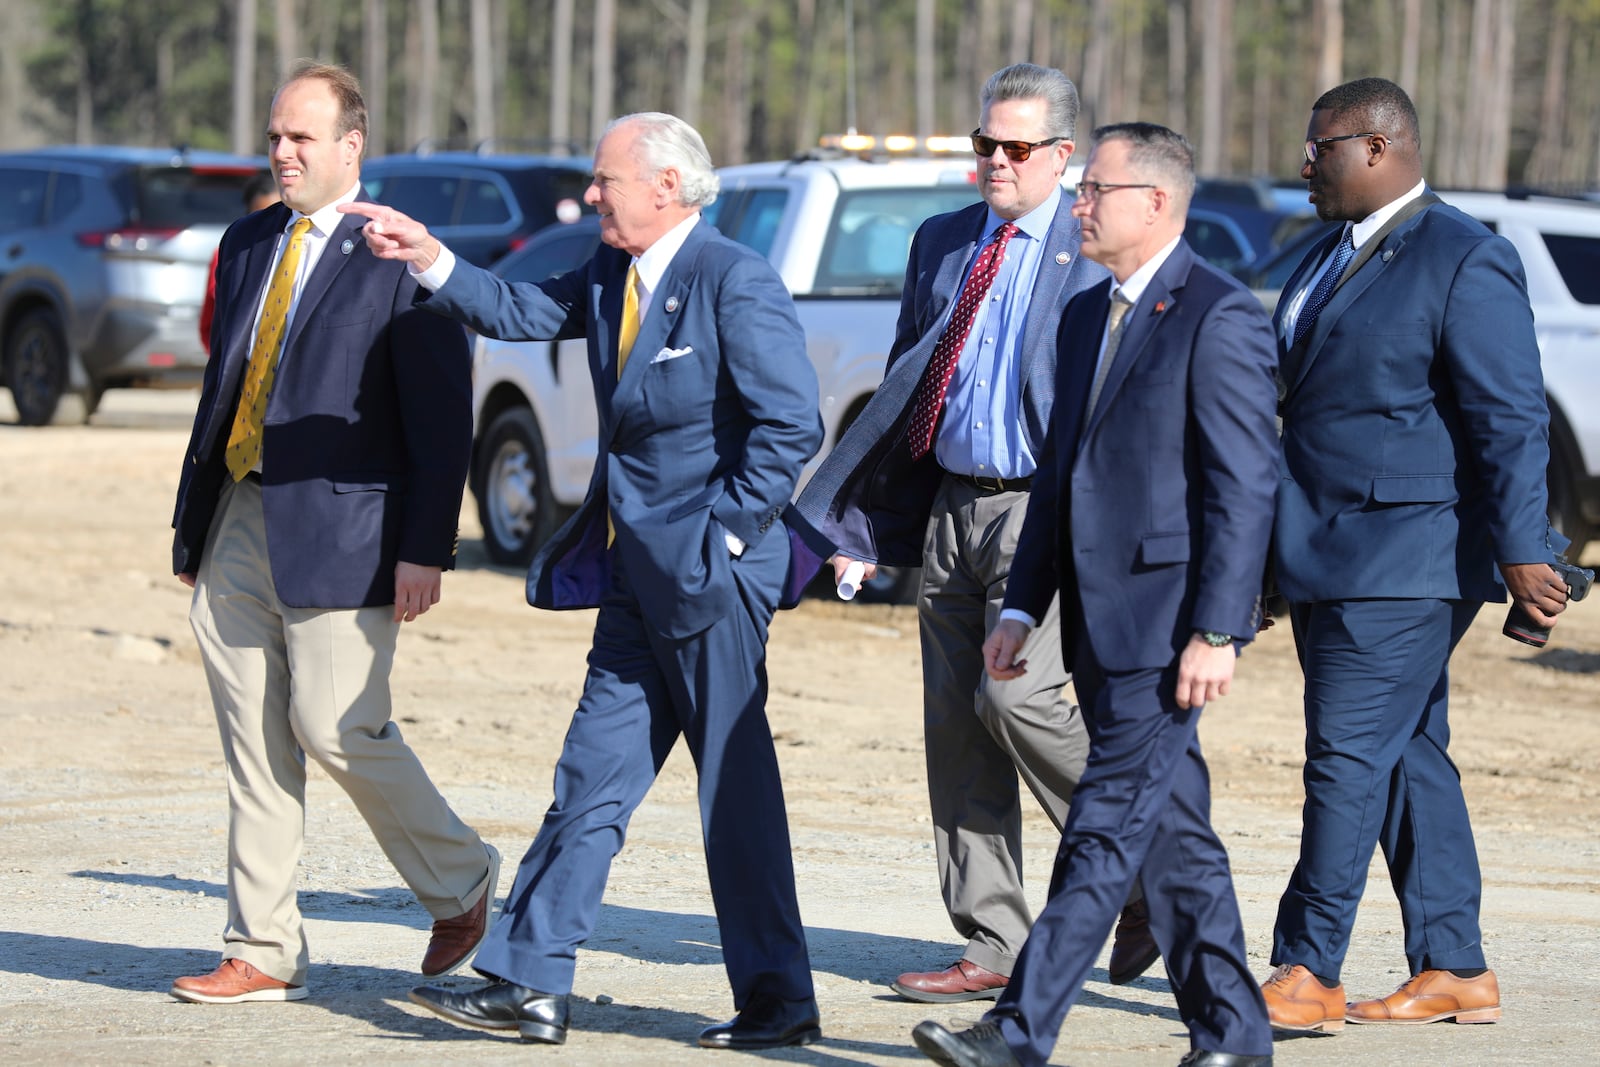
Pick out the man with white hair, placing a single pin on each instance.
(707, 409)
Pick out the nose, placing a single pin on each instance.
(591, 195)
(1081, 207)
(1307, 169)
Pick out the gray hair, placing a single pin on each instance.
(666, 142)
(1156, 152)
(1029, 81)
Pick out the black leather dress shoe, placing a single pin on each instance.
(981, 1046)
(766, 1022)
(1205, 1058)
(536, 1016)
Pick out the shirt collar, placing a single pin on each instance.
(325, 218)
(653, 264)
(1362, 231)
(1036, 223)
(1139, 280)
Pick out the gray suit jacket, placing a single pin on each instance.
(869, 499)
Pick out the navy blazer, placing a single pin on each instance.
(1415, 429)
(368, 430)
(869, 498)
(705, 432)
(1154, 510)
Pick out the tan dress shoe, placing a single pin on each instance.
(962, 980)
(1296, 1000)
(235, 982)
(1432, 997)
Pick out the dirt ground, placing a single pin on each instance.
(112, 817)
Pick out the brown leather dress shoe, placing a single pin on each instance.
(1432, 997)
(235, 982)
(455, 940)
(1133, 949)
(960, 981)
(1296, 1000)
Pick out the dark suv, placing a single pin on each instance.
(104, 254)
(481, 205)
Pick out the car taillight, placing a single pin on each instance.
(135, 238)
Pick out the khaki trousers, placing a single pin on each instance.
(291, 682)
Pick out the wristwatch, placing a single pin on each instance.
(1214, 639)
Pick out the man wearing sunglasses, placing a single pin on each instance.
(936, 472)
(1413, 490)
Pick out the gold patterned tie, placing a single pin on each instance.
(244, 442)
(630, 319)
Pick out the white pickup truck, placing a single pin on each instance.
(838, 231)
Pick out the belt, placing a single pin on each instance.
(993, 485)
(253, 476)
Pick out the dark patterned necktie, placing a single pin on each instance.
(947, 351)
(1325, 286)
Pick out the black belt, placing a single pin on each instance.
(993, 485)
(252, 476)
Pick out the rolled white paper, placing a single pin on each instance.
(850, 581)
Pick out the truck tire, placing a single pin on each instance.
(36, 366)
(511, 481)
(1566, 513)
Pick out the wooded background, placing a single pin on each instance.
(1506, 89)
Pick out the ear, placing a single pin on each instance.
(1377, 149)
(353, 142)
(1160, 205)
(668, 185)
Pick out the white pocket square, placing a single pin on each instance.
(672, 353)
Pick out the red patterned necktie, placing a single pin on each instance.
(947, 352)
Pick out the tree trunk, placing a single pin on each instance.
(1329, 22)
(1544, 162)
(1411, 47)
(1178, 66)
(927, 69)
(694, 62)
(561, 73)
(375, 73)
(1216, 22)
(604, 60)
(483, 114)
(424, 90)
(286, 31)
(245, 135)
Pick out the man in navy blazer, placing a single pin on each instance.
(1412, 491)
(307, 553)
(1151, 516)
(707, 405)
(956, 510)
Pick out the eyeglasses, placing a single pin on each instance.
(1092, 190)
(1016, 151)
(1314, 145)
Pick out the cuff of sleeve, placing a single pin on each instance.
(438, 272)
(1017, 615)
(736, 545)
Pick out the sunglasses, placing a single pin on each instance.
(1016, 151)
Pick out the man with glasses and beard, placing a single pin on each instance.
(936, 472)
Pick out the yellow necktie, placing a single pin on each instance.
(630, 319)
(244, 442)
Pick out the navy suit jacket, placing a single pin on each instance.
(1154, 510)
(705, 433)
(368, 429)
(1415, 428)
(869, 498)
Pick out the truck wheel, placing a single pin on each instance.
(36, 366)
(512, 486)
(1566, 515)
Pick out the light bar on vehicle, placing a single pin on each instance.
(894, 143)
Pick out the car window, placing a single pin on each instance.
(1214, 242)
(65, 195)
(757, 226)
(550, 255)
(869, 243)
(181, 196)
(428, 198)
(1578, 260)
(21, 197)
(483, 204)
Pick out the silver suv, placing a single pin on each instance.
(104, 254)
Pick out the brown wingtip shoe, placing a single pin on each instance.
(1432, 997)
(235, 982)
(962, 980)
(1133, 948)
(455, 940)
(1296, 1000)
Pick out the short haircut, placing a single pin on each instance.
(1377, 104)
(260, 184)
(1029, 81)
(346, 90)
(1157, 153)
(666, 142)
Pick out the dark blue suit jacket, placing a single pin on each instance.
(706, 431)
(1415, 426)
(868, 498)
(368, 429)
(1154, 511)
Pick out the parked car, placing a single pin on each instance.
(480, 204)
(1559, 242)
(104, 254)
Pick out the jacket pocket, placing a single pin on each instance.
(369, 483)
(1413, 489)
(1162, 548)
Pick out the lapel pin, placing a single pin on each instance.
(348, 246)
(672, 304)
(1388, 254)
(1161, 305)
(1062, 258)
